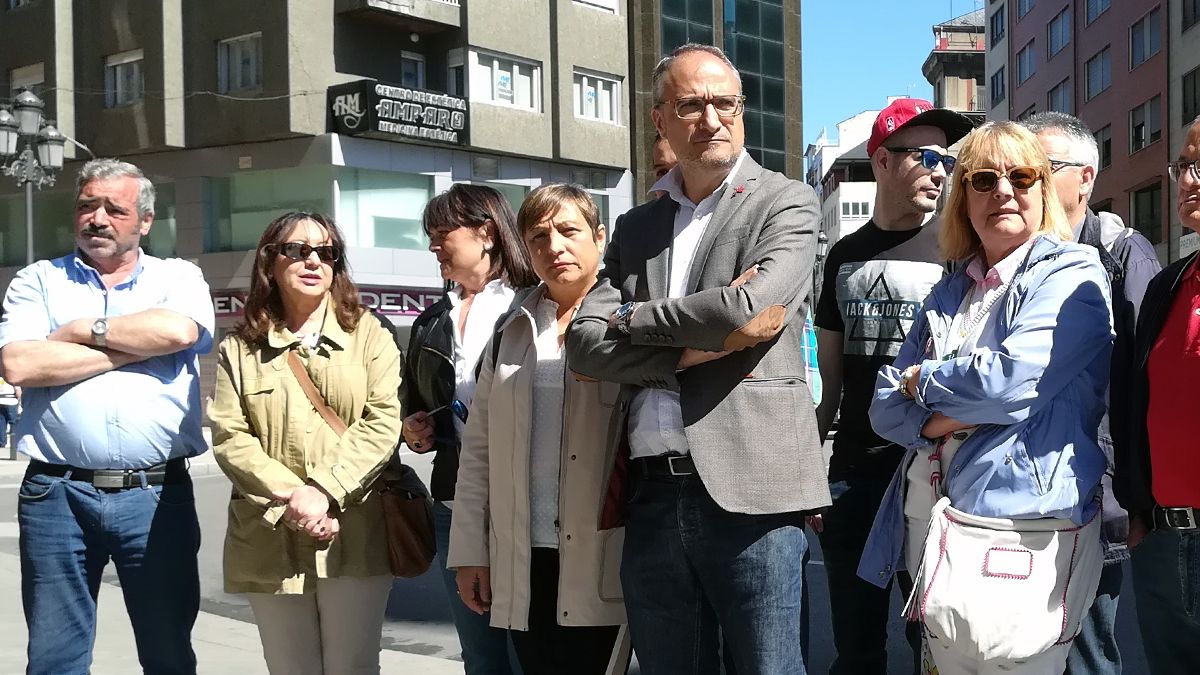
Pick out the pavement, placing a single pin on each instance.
(224, 643)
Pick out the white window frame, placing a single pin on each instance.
(484, 91)
(1095, 8)
(1058, 99)
(607, 85)
(115, 94)
(26, 77)
(1026, 71)
(454, 59)
(227, 71)
(606, 6)
(1102, 62)
(1060, 28)
(1151, 39)
(418, 59)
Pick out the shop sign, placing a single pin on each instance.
(389, 301)
(393, 112)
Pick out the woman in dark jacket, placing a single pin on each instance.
(472, 231)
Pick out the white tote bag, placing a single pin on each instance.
(1006, 589)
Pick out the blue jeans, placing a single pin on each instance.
(484, 649)
(69, 531)
(692, 572)
(1095, 651)
(8, 420)
(1166, 581)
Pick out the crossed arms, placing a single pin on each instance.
(665, 333)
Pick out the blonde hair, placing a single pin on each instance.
(992, 144)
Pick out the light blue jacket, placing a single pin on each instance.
(1037, 399)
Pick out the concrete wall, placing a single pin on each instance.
(518, 28)
(215, 120)
(793, 89)
(595, 41)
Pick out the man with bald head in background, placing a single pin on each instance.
(698, 314)
(875, 281)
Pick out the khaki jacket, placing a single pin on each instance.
(491, 505)
(268, 436)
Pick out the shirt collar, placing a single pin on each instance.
(83, 267)
(1002, 272)
(280, 337)
(672, 183)
(492, 287)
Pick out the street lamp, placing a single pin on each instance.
(41, 152)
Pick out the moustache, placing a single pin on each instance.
(98, 232)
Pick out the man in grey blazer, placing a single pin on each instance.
(699, 313)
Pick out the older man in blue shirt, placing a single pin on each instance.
(104, 342)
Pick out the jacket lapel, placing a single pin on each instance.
(660, 230)
(732, 198)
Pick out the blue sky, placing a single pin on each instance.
(859, 52)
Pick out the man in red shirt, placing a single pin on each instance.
(1158, 470)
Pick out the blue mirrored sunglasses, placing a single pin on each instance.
(930, 158)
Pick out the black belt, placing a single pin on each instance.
(667, 465)
(1176, 518)
(171, 471)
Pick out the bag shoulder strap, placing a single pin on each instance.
(310, 390)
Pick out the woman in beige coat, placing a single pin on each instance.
(305, 540)
(526, 538)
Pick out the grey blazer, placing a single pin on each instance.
(748, 416)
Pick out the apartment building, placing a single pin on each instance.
(1105, 61)
(1183, 102)
(363, 109)
(761, 37)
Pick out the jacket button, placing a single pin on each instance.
(572, 458)
(568, 537)
(565, 613)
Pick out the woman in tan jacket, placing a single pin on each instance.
(526, 540)
(305, 540)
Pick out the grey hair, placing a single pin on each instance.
(108, 169)
(1083, 142)
(660, 70)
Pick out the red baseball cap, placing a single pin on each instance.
(917, 112)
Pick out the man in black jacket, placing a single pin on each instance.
(1158, 477)
(1130, 262)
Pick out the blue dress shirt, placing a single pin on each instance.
(129, 418)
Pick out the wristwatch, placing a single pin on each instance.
(624, 315)
(100, 332)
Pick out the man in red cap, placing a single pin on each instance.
(875, 281)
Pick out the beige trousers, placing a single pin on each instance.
(334, 631)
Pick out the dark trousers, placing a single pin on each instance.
(1166, 581)
(860, 610)
(550, 649)
(8, 420)
(1094, 651)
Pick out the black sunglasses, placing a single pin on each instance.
(930, 158)
(986, 180)
(295, 250)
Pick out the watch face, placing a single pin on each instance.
(100, 327)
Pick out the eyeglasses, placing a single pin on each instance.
(1057, 165)
(297, 251)
(986, 180)
(931, 158)
(456, 406)
(692, 107)
(1176, 170)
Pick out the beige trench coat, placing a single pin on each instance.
(268, 436)
(491, 502)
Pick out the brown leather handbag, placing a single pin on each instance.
(407, 510)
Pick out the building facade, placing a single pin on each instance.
(362, 109)
(1183, 102)
(1106, 62)
(761, 37)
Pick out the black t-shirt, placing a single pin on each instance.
(874, 283)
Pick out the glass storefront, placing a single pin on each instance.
(241, 206)
(382, 209)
